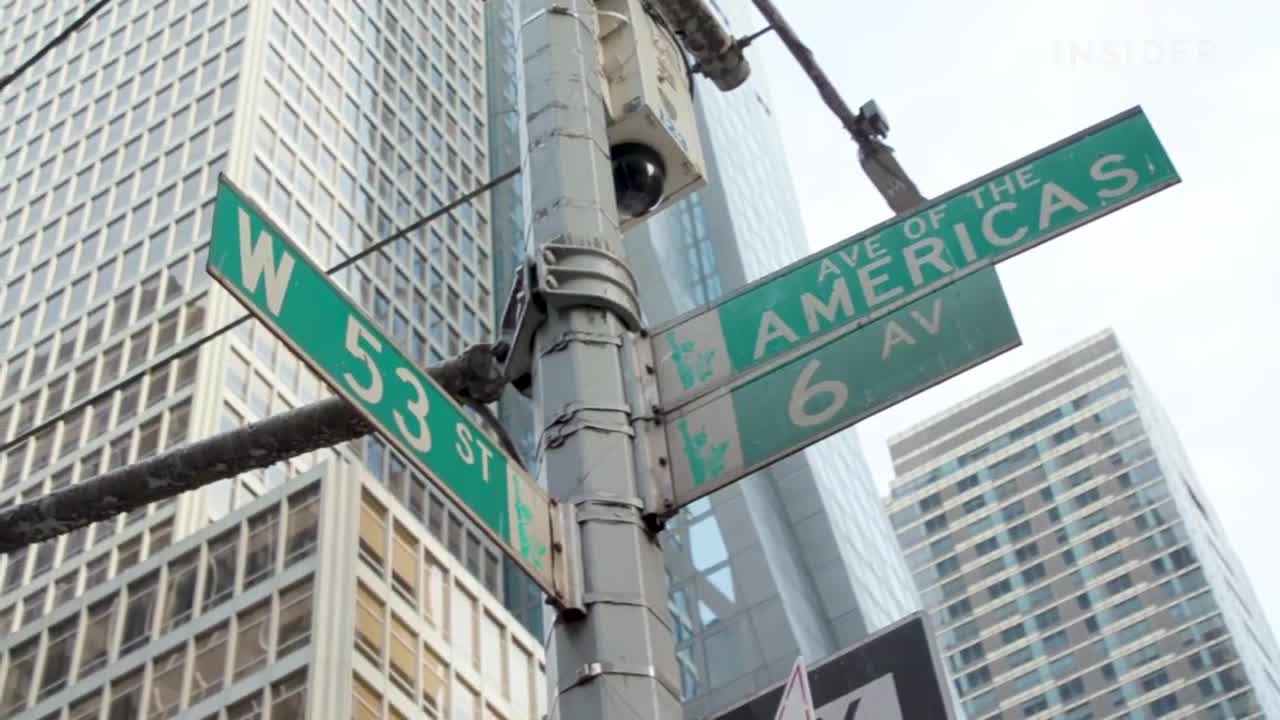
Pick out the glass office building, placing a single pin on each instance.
(1072, 564)
(344, 120)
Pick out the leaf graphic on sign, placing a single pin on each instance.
(705, 463)
(529, 549)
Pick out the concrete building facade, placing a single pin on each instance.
(1072, 565)
(324, 597)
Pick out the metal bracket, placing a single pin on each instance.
(566, 423)
(523, 314)
(649, 441)
(566, 564)
(593, 670)
(575, 275)
(606, 510)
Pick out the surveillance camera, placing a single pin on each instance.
(873, 119)
(639, 176)
(650, 120)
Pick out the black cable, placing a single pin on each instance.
(48, 48)
(107, 392)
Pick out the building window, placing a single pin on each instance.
(181, 594)
(494, 658)
(99, 628)
(252, 643)
(138, 616)
(260, 557)
(57, 657)
(368, 703)
(17, 682)
(304, 519)
(463, 628)
(210, 664)
(404, 562)
(220, 570)
(126, 696)
(518, 688)
(373, 531)
(87, 707)
(166, 683)
(434, 681)
(370, 623)
(289, 696)
(1165, 705)
(434, 593)
(404, 653)
(464, 703)
(295, 618)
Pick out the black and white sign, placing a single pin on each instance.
(893, 675)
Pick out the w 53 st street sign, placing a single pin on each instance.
(794, 357)
(284, 289)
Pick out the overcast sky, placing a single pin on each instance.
(1189, 279)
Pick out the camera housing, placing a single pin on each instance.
(652, 128)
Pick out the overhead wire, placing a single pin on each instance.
(48, 47)
(213, 335)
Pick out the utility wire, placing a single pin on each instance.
(108, 391)
(62, 37)
(317, 426)
(471, 377)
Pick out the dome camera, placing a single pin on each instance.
(639, 176)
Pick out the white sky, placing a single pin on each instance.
(1189, 279)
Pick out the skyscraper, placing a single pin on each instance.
(344, 119)
(323, 598)
(1073, 566)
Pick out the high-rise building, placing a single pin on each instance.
(1072, 564)
(323, 598)
(344, 120)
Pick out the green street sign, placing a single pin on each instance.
(280, 285)
(788, 406)
(1028, 202)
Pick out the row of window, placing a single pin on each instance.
(405, 577)
(950, 467)
(176, 676)
(1032, 453)
(86, 426)
(1028, 551)
(54, 390)
(1030, 601)
(75, 575)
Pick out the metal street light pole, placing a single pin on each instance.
(616, 660)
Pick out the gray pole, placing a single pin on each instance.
(617, 661)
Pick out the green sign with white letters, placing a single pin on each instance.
(856, 281)
(278, 283)
(725, 436)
